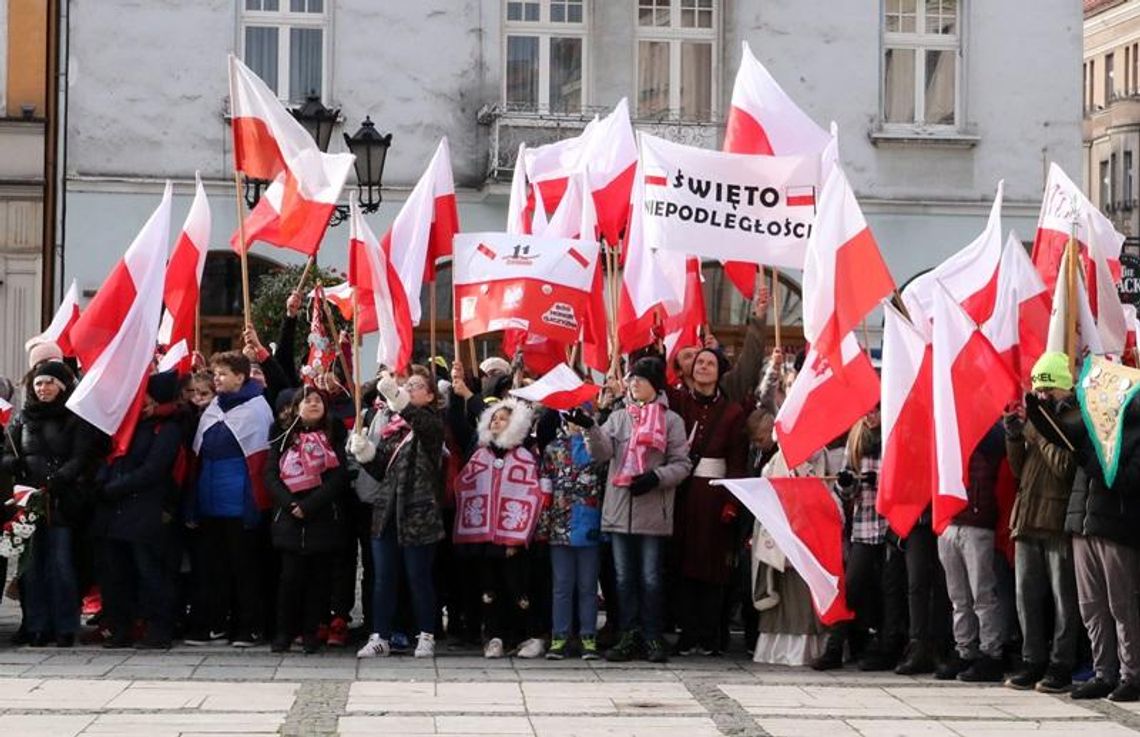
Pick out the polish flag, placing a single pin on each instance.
(518, 216)
(539, 353)
(845, 276)
(270, 144)
(559, 388)
(504, 281)
(972, 387)
(59, 331)
(683, 329)
(1088, 336)
(249, 422)
(906, 478)
(114, 339)
(1064, 208)
(763, 119)
(1130, 356)
(822, 404)
(174, 356)
(577, 218)
(184, 272)
(806, 524)
(1019, 325)
(970, 275)
(654, 283)
(379, 294)
(421, 234)
(341, 296)
(609, 149)
(5, 412)
(1111, 322)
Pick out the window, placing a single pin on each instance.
(1135, 83)
(1128, 190)
(1127, 68)
(1105, 186)
(1092, 76)
(676, 59)
(1109, 78)
(545, 55)
(1112, 189)
(921, 49)
(285, 42)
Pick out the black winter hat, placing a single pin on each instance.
(55, 369)
(163, 387)
(652, 370)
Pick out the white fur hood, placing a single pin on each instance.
(517, 429)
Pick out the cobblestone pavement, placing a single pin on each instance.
(220, 691)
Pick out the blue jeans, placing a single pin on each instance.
(639, 562)
(52, 592)
(575, 570)
(416, 560)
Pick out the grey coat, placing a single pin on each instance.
(652, 512)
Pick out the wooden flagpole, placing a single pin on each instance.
(776, 306)
(474, 357)
(356, 362)
(431, 323)
(334, 334)
(305, 274)
(241, 252)
(614, 293)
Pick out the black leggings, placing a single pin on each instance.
(304, 591)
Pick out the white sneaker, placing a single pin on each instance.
(425, 645)
(532, 648)
(494, 648)
(375, 648)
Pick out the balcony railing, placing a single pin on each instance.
(511, 126)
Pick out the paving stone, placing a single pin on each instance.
(46, 725)
(179, 725)
(443, 697)
(235, 673)
(610, 698)
(58, 693)
(205, 696)
(648, 726)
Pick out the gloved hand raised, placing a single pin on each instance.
(361, 448)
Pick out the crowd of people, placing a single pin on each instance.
(463, 513)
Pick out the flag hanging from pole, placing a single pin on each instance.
(59, 331)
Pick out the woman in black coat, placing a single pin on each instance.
(52, 448)
(137, 496)
(306, 476)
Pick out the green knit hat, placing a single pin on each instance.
(1052, 372)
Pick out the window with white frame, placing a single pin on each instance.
(285, 42)
(921, 58)
(676, 59)
(545, 55)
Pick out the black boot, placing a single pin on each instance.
(917, 660)
(832, 656)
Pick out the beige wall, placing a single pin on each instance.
(27, 42)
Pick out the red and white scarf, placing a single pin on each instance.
(647, 433)
(308, 456)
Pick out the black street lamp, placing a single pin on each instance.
(367, 144)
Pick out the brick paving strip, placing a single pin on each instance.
(94, 691)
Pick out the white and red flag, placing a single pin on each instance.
(518, 214)
(683, 329)
(114, 339)
(379, 295)
(421, 234)
(763, 119)
(184, 272)
(731, 207)
(654, 283)
(972, 387)
(822, 404)
(559, 388)
(249, 422)
(970, 275)
(806, 523)
(906, 477)
(1019, 324)
(505, 281)
(845, 276)
(5, 412)
(59, 331)
(1066, 211)
(340, 294)
(270, 144)
(1104, 299)
(608, 149)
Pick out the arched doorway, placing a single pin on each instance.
(728, 310)
(221, 299)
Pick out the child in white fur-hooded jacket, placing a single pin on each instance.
(498, 503)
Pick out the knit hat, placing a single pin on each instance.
(44, 351)
(650, 369)
(495, 364)
(57, 370)
(1052, 372)
(163, 387)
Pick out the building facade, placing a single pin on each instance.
(24, 110)
(933, 101)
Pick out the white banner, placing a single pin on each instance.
(732, 207)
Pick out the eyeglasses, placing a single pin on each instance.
(414, 385)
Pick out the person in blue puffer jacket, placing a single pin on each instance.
(229, 505)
